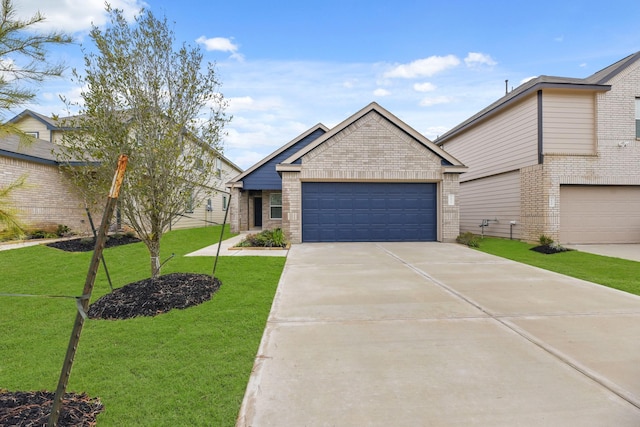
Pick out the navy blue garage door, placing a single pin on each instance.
(368, 212)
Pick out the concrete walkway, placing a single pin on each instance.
(431, 334)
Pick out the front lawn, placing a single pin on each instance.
(184, 367)
(613, 272)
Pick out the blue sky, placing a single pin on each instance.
(288, 65)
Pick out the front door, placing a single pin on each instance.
(257, 211)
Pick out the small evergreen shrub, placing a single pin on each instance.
(469, 239)
(545, 240)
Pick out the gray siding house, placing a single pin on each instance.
(370, 178)
(557, 156)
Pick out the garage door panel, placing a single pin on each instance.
(599, 214)
(369, 212)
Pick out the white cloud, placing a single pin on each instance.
(381, 92)
(423, 67)
(475, 59)
(428, 102)
(424, 87)
(247, 103)
(221, 44)
(526, 79)
(73, 16)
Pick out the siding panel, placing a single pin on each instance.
(494, 197)
(568, 122)
(509, 141)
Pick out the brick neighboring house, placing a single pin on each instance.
(370, 178)
(48, 198)
(51, 199)
(558, 156)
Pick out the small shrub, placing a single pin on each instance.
(545, 240)
(42, 234)
(87, 241)
(63, 230)
(469, 239)
(265, 239)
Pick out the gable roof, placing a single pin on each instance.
(595, 82)
(50, 123)
(390, 117)
(280, 150)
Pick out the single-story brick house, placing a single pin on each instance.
(557, 156)
(370, 178)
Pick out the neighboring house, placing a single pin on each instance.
(48, 198)
(556, 156)
(370, 178)
(50, 131)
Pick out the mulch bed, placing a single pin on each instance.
(546, 249)
(32, 408)
(88, 244)
(148, 297)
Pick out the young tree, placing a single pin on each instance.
(23, 59)
(145, 99)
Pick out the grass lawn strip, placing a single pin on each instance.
(615, 273)
(184, 367)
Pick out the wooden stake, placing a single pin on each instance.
(83, 305)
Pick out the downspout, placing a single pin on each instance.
(540, 156)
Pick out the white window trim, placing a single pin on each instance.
(271, 206)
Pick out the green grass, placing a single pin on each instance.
(185, 367)
(612, 272)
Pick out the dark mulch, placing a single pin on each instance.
(87, 244)
(32, 408)
(546, 249)
(150, 297)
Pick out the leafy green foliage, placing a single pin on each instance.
(469, 239)
(185, 367)
(155, 104)
(23, 59)
(545, 240)
(612, 272)
(9, 223)
(265, 239)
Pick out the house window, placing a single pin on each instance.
(33, 134)
(638, 118)
(218, 166)
(275, 206)
(224, 203)
(190, 203)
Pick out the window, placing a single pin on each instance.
(224, 203)
(218, 166)
(190, 202)
(275, 206)
(637, 117)
(33, 134)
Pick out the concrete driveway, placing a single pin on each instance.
(432, 334)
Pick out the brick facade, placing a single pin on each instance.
(48, 198)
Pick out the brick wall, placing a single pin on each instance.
(48, 199)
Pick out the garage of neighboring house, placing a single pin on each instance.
(599, 213)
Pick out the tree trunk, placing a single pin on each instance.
(154, 252)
